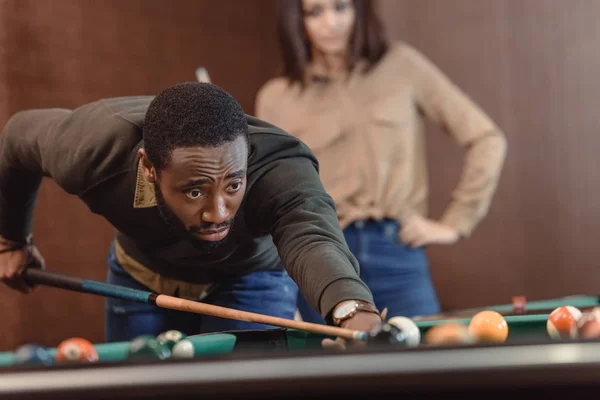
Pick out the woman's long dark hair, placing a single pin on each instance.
(367, 41)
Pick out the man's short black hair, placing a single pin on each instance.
(191, 114)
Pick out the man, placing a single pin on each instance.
(209, 204)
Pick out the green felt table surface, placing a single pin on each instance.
(213, 344)
(521, 327)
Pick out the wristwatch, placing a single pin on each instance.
(347, 309)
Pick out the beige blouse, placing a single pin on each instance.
(367, 131)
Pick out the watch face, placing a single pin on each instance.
(344, 309)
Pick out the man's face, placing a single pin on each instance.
(200, 191)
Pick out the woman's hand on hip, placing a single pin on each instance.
(418, 231)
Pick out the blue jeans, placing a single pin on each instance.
(266, 292)
(398, 276)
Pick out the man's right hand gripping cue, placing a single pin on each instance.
(14, 258)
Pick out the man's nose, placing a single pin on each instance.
(216, 212)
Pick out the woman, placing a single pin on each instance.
(360, 103)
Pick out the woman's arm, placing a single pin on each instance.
(444, 103)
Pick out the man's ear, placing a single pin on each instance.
(147, 168)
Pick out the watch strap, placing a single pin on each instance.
(359, 306)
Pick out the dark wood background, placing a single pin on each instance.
(63, 53)
(532, 65)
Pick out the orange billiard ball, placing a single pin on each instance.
(447, 334)
(76, 350)
(562, 322)
(488, 326)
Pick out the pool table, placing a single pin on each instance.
(527, 325)
(206, 345)
(583, 302)
(282, 362)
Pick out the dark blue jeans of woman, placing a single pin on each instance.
(266, 292)
(397, 275)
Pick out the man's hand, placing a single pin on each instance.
(418, 231)
(361, 321)
(12, 264)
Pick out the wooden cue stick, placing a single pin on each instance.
(37, 276)
(176, 303)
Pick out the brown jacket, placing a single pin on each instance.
(91, 152)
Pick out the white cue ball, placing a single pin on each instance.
(183, 349)
(410, 329)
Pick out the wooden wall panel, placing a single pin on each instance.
(532, 65)
(64, 53)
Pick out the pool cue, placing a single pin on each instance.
(37, 276)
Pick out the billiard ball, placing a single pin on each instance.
(519, 303)
(562, 322)
(33, 354)
(447, 334)
(488, 326)
(388, 335)
(588, 326)
(76, 350)
(410, 330)
(183, 349)
(171, 337)
(145, 348)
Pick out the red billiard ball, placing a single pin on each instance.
(519, 303)
(76, 350)
(588, 327)
(562, 322)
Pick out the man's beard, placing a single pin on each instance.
(179, 229)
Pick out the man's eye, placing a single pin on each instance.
(235, 186)
(194, 194)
